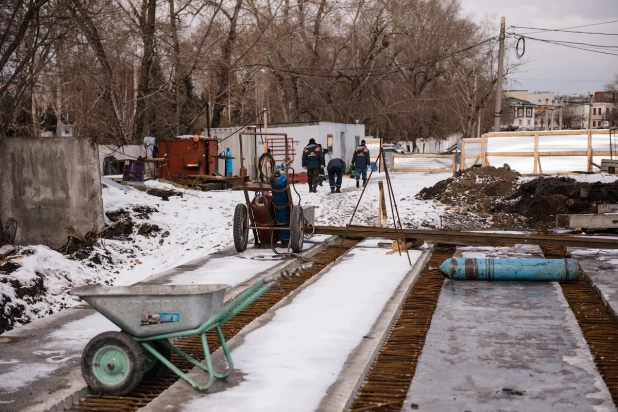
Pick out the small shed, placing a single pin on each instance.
(339, 138)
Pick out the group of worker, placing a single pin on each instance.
(314, 163)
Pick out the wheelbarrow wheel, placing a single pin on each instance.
(241, 227)
(297, 228)
(153, 367)
(113, 363)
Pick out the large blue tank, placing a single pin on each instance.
(281, 199)
(510, 269)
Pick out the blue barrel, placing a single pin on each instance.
(281, 199)
(510, 269)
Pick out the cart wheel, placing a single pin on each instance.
(113, 363)
(241, 228)
(297, 228)
(153, 367)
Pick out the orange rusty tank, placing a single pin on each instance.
(264, 213)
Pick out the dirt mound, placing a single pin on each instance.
(541, 199)
(477, 188)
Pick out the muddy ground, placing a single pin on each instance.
(498, 198)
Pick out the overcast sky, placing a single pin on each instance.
(551, 67)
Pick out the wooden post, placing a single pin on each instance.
(483, 151)
(589, 150)
(536, 153)
(382, 217)
(462, 167)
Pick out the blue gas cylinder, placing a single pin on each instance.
(281, 199)
(510, 269)
(228, 163)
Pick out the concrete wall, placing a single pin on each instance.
(48, 185)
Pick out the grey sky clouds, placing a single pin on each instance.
(551, 67)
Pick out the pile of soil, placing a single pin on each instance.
(477, 188)
(495, 198)
(541, 199)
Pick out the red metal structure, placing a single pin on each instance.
(187, 157)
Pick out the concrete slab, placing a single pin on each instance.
(600, 268)
(40, 362)
(509, 346)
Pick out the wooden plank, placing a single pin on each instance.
(462, 167)
(483, 151)
(476, 159)
(531, 133)
(536, 153)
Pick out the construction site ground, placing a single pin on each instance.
(488, 345)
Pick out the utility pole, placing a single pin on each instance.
(500, 77)
(590, 113)
(560, 115)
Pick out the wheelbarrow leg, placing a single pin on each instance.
(181, 374)
(228, 357)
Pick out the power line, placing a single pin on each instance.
(573, 27)
(566, 44)
(563, 31)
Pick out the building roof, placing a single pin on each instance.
(513, 101)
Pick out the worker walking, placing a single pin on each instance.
(362, 161)
(336, 167)
(313, 160)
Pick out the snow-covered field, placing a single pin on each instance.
(192, 226)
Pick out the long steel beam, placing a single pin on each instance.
(471, 238)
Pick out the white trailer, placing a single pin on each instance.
(339, 138)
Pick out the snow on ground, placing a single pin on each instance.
(192, 226)
(289, 368)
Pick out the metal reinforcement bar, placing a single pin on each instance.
(598, 327)
(387, 383)
(470, 238)
(150, 389)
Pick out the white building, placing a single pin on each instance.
(339, 138)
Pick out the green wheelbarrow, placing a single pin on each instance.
(149, 316)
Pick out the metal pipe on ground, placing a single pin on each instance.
(556, 270)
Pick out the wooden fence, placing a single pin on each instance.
(423, 163)
(535, 154)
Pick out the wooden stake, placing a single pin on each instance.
(536, 153)
(382, 216)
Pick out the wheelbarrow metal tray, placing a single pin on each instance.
(149, 310)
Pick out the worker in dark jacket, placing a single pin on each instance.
(335, 167)
(313, 160)
(362, 161)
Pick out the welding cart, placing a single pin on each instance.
(271, 215)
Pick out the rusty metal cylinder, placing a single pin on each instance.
(264, 214)
(558, 270)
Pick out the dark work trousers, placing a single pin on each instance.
(331, 176)
(312, 177)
